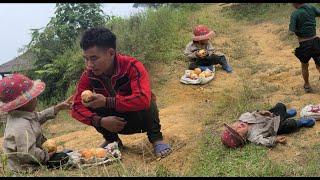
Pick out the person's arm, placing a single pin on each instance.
(26, 145)
(293, 23)
(45, 115)
(51, 112)
(189, 53)
(210, 49)
(140, 96)
(79, 111)
(260, 140)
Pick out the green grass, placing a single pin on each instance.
(153, 36)
(256, 13)
(216, 160)
(116, 169)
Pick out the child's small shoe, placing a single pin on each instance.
(291, 113)
(227, 68)
(306, 122)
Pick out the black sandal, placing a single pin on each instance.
(307, 89)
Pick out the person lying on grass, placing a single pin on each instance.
(263, 127)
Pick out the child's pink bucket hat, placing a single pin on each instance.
(17, 90)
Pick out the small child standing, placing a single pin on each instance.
(23, 137)
(200, 51)
(262, 127)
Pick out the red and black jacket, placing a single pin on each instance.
(129, 90)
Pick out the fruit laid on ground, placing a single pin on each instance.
(100, 153)
(86, 96)
(87, 153)
(207, 73)
(194, 76)
(50, 146)
(197, 71)
(202, 75)
(93, 152)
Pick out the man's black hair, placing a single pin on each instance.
(100, 37)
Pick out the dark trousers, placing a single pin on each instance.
(208, 61)
(309, 49)
(286, 125)
(137, 122)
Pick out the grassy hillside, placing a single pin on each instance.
(255, 40)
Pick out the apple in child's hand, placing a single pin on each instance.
(50, 146)
(202, 53)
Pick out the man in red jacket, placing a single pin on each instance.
(122, 103)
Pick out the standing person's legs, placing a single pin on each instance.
(316, 52)
(305, 75)
(317, 62)
(318, 67)
(304, 53)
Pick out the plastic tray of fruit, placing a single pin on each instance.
(197, 76)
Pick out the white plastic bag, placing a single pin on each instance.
(311, 111)
(113, 154)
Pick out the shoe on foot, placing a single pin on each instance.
(307, 89)
(291, 113)
(306, 122)
(162, 150)
(227, 68)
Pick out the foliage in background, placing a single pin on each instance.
(57, 54)
(153, 35)
(150, 36)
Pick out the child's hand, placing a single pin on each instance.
(202, 53)
(64, 105)
(281, 139)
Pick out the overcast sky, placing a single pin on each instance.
(16, 20)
